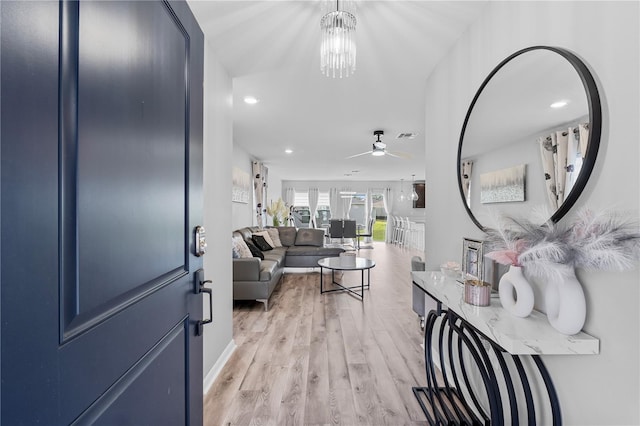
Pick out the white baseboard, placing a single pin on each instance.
(212, 375)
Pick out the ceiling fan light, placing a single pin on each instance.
(378, 152)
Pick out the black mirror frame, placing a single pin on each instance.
(595, 123)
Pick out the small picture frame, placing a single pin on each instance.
(472, 259)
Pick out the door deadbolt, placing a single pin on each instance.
(201, 241)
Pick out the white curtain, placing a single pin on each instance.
(334, 204)
(313, 206)
(561, 153)
(259, 188)
(368, 207)
(465, 175)
(562, 142)
(289, 199)
(547, 149)
(583, 132)
(387, 201)
(346, 203)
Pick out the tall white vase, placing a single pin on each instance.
(514, 280)
(565, 302)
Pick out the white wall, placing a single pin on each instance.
(218, 146)
(593, 390)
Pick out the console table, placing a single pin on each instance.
(505, 351)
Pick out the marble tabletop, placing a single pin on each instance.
(518, 336)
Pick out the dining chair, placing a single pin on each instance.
(368, 232)
(349, 230)
(335, 228)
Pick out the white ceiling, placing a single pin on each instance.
(271, 50)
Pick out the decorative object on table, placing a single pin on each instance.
(278, 211)
(348, 258)
(598, 241)
(503, 186)
(477, 292)
(565, 302)
(451, 270)
(472, 258)
(514, 282)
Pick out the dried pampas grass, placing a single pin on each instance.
(605, 240)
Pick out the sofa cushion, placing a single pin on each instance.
(261, 242)
(287, 235)
(278, 254)
(241, 247)
(310, 237)
(255, 251)
(266, 236)
(275, 237)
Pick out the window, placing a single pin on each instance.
(323, 215)
(301, 210)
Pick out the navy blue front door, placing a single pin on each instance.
(101, 165)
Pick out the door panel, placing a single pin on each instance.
(117, 406)
(101, 188)
(132, 96)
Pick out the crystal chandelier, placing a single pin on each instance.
(338, 48)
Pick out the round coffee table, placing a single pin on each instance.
(341, 264)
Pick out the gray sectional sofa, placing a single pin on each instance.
(255, 279)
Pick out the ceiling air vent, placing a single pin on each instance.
(406, 136)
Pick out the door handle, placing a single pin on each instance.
(200, 288)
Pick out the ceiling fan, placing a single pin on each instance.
(380, 149)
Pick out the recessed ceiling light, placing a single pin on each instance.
(559, 104)
(288, 151)
(251, 100)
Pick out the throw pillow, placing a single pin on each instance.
(266, 236)
(261, 242)
(241, 247)
(255, 251)
(275, 237)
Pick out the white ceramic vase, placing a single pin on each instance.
(565, 302)
(514, 281)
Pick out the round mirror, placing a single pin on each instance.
(530, 137)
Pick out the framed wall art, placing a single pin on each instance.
(240, 185)
(503, 186)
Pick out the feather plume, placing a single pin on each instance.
(604, 240)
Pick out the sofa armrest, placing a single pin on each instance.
(246, 269)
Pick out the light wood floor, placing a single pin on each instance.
(316, 359)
